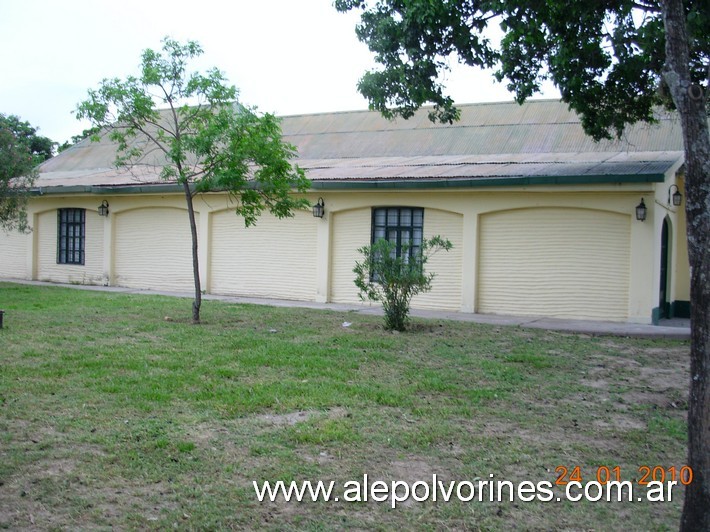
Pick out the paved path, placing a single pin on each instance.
(677, 328)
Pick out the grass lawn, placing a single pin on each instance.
(115, 412)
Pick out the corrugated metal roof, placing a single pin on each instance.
(486, 166)
(537, 126)
(502, 140)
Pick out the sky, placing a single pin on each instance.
(285, 56)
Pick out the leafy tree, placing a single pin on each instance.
(21, 149)
(613, 62)
(203, 139)
(394, 279)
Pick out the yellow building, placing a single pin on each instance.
(543, 219)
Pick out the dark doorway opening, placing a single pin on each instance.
(663, 304)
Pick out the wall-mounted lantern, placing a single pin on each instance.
(319, 208)
(677, 197)
(641, 211)
(103, 208)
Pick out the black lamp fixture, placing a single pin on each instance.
(677, 196)
(641, 211)
(103, 208)
(319, 208)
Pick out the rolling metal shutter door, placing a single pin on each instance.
(557, 262)
(445, 291)
(351, 230)
(274, 258)
(153, 249)
(13, 254)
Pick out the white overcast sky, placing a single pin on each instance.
(285, 56)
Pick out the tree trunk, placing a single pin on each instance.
(691, 104)
(197, 303)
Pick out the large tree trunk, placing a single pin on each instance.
(691, 104)
(197, 303)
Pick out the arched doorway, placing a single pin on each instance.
(663, 303)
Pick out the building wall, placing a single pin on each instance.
(460, 215)
(448, 265)
(45, 233)
(678, 275)
(145, 243)
(152, 249)
(349, 231)
(274, 258)
(549, 261)
(680, 280)
(13, 254)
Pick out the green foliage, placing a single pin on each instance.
(38, 147)
(191, 127)
(205, 138)
(606, 58)
(614, 62)
(21, 149)
(393, 279)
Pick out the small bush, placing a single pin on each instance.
(394, 278)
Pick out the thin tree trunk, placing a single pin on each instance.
(691, 104)
(197, 303)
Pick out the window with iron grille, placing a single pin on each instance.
(70, 236)
(403, 225)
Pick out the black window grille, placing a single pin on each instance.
(402, 225)
(71, 231)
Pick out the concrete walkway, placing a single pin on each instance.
(676, 328)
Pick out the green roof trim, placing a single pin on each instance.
(488, 182)
(108, 189)
(382, 184)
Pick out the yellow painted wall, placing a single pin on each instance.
(555, 262)
(13, 254)
(153, 249)
(45, 234)
(275, 258)
(350, 230)
(145, 243)
(660, 209)
(459, 212)
(680, 280)
(446, 286)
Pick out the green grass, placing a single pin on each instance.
(116, 412)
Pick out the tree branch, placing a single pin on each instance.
(647, 7)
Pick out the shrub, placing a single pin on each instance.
(394, 278)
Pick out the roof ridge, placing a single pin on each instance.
(431, 106)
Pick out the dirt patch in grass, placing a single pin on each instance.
(653, 377)
(291, 418)
(57, 491)
(162, 424)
